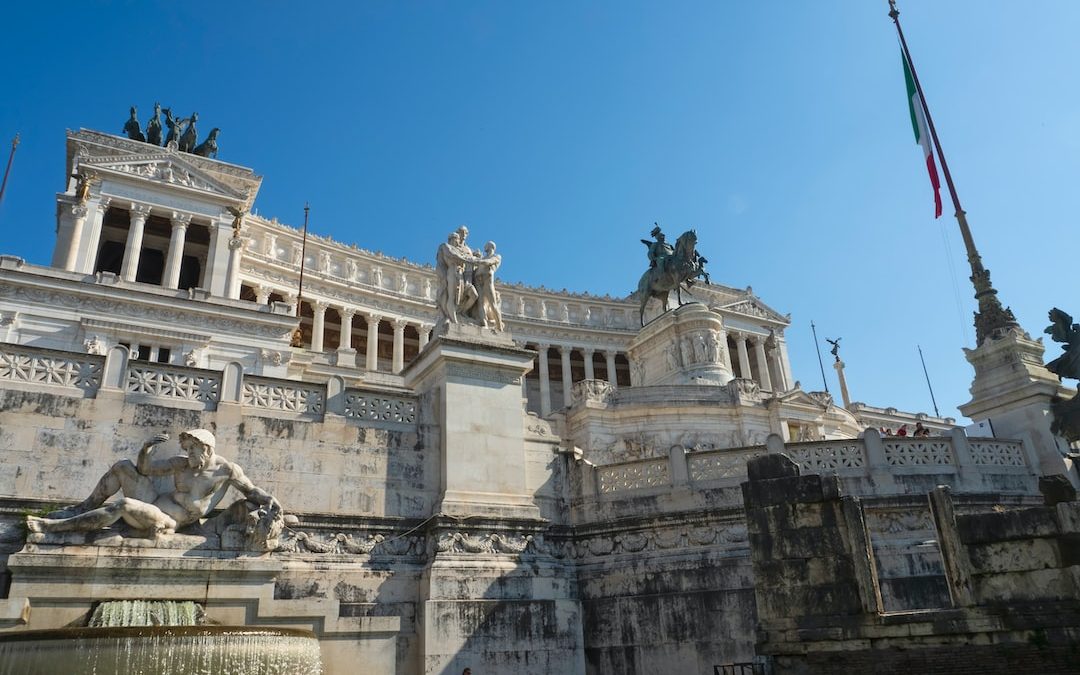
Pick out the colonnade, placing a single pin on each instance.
(767, 369)
(543, 370)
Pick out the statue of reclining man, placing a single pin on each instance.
(201, 480)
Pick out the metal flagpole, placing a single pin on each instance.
(928, 385)
(11, 157)
(297, 338)
(819, 361)
(991, 318)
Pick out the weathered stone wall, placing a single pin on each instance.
(55, 447)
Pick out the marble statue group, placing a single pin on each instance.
(466, 283)
(181, 132)
(200, 480)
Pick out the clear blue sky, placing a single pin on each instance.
(562, 130)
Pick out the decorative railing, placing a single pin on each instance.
(994, 452)
(184, 384)
(716, 465)
(366, 405)
(918, 451)
(634, 476)
(828, 456)
(283, 395)
(61, 369)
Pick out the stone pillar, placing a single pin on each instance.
(86, 260)
(764, 379)
(612, 375)
(725, 351)
(345, 340)
(373, 341)
(78, 211)
(954, 555)
(777, 369)
(262, 295)
(399, 345)
(346, 355)
(744, 358)
(133, 250)
(318, 325)
(567, 380)
(424, 333)
(176, 249)
(587, 354)
(839, 366)
(232, 284)
(545, 381)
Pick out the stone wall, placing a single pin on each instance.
(1011, 578)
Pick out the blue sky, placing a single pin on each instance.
(562, 130)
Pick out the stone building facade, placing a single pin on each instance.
(561, 497)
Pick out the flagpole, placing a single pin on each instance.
(821, 365)
(298, 336)
(11, 157)
(991, 318)
(928, 385)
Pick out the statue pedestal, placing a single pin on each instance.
(469, 380)
(1013, 389)
(685, 346)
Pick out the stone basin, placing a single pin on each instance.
(177, 650)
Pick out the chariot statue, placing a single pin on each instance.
(669, 269)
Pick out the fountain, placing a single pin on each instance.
(159, 636)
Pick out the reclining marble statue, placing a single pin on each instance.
(200, 477)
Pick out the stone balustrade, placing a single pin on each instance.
(869, 465)
(91, 376)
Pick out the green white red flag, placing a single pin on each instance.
(922, 132)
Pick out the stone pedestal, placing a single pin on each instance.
(469, 380)
(684, 346)
(1013, 390)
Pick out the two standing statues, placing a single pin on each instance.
(466, 283)
(181, 131)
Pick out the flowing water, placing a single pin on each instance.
(130, 638)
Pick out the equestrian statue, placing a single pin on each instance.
(669, 268)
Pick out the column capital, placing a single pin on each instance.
(611, 352)
(372, 317)
(180, 219)
(543, 346)
(139, 210)
(757, 339)
(104, 204)
(588, 351)
(398, 324)
(346, 312)
(318, 306)
(79, 210)
(565, 350)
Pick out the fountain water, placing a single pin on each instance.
(139, 636)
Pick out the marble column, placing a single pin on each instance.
(232, 275)
(176, 249)
(612, 374)
(78, 211)
(776, 368)
(764, 379)
(545, 381)
(588, 354)
(262, 295)
(744, 358)
(133, 250)
(424, 333)
(373, 341)
(567, 378)
(87, 260)
(399, 345)
(318, 325)
(345, 339)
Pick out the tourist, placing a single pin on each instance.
(902, 431)
(920, 431)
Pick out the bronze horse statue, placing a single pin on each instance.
(684, 265)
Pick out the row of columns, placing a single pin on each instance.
(86, 236)
(318, 330)
(567, 375)
(770, 374)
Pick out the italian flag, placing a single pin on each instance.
(922, 133)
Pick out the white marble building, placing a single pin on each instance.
(564, 498)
